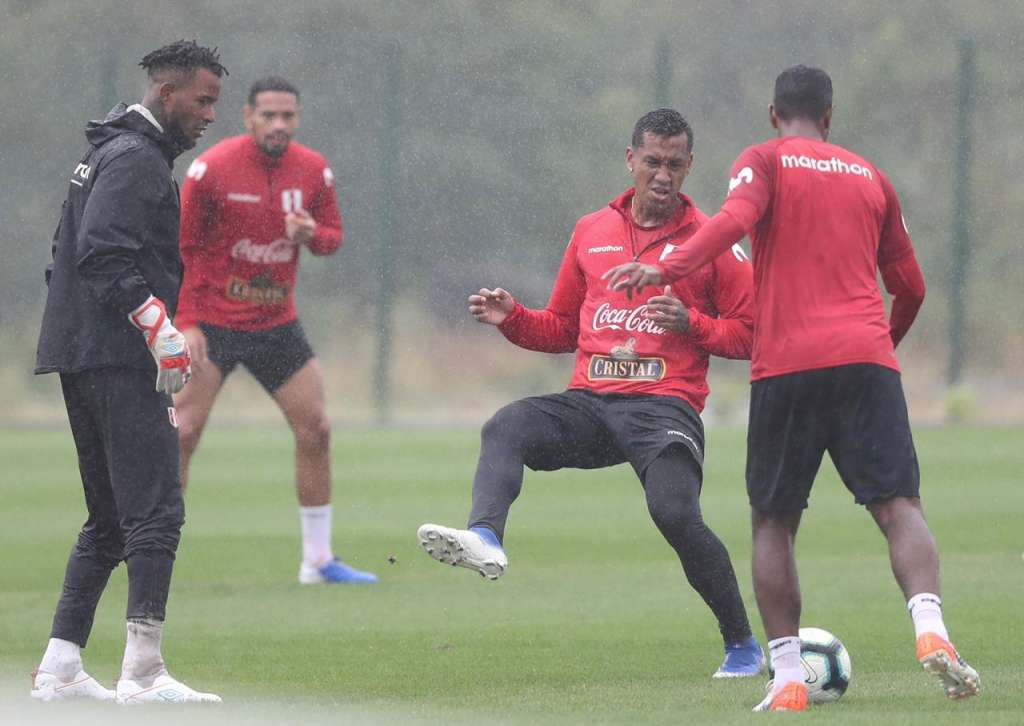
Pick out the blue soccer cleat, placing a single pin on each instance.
(334, 572)
(742, 660)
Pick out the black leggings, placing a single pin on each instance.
(672, 485)
(521, 435)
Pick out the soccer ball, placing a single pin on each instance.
(827, 667)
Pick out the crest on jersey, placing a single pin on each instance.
(291, 200)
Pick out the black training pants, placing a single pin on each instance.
(127, 441)
(661, 437)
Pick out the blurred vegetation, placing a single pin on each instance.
(515, 117)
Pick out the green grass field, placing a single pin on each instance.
(592, 623)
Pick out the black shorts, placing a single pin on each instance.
(855, 412)
(598, 430)
(272, 356)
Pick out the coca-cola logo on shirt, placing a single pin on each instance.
(633, 320)
(277, 252)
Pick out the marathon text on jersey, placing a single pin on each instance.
(790, 161)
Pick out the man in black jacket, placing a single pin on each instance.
(113, 290)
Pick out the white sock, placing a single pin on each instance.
(926, 611)
(316, 535)
(786, 663)
(142, 659)
(62, 658)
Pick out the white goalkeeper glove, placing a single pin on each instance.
(165, 343)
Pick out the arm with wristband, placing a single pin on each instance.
(166, 344)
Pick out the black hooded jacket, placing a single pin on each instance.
(116, 244)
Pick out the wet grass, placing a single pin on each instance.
(593, 622)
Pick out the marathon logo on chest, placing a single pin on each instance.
(260, 290)
(607, 368)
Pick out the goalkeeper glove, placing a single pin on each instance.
(165, 343)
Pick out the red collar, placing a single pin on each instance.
(256, 154)
(684, 215)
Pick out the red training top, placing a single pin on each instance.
(617, 349)
(822, 221)
(239, 266)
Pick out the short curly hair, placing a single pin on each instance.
(802, 92)
(663, 122)
(185, 56)
(271, 83)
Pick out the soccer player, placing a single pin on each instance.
(107, 330)
(823, 221)
(640, 380)
(249, 205)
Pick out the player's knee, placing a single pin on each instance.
(508, 426)
(189, 432)
(895, 511)
(675, 515)
(314, 435)
(161, 533)
(102, 544)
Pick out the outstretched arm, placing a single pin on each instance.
(750, 191)
(556, 328)
(716, 236)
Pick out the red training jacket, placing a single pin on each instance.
(617, 349)
(239, 267)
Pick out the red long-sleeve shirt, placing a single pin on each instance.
(617, 349)
(823, 222)
(240, 269)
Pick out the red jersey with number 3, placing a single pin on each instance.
(240, 268)
(821, 221)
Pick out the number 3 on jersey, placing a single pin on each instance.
(291, 200)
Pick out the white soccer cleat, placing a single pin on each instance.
(165, 689)
(48, 687)
(463, 548)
